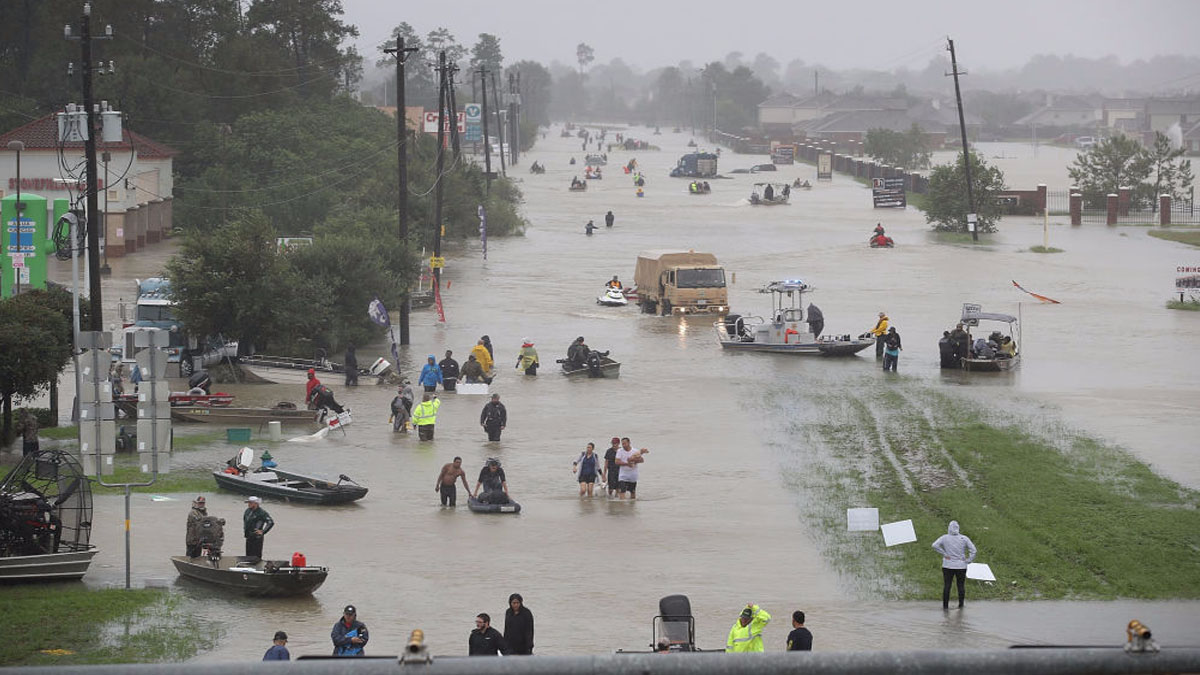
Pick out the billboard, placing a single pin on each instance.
(1187, 281)
(825, 166)
(888, 193)
(431, 123)
(783, 154)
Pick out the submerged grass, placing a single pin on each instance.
(1186, 305)
(57, 625)
(175, 481)
(1191, 237)
(1070, 518)
(1044, 249)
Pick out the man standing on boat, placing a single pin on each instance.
(256, 523)
(746, 633)
(449, 371)
(880, 331)
(493, 418)
(424, 416)
(318, 395)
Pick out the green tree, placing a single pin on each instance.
(1171, 173)
(1108, 166)
(441, 39)
(946, 202)
(670, 96)
(536, 87)
(487, 53)
(420, 84)
(35, 346)
(908, 150)
(584, 55)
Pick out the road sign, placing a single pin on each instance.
(888, 193)
(436, 262)
(474, 131)
(473, 112)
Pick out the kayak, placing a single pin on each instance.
(480, 507)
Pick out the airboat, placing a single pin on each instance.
(45, 519)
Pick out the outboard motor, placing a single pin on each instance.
(675, 616)
(200, 379)
(212, 536)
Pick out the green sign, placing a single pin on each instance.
(23, 243)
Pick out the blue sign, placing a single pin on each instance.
(20, 239)
(474, 132)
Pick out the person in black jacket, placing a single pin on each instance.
(518, 626)
(449, 371)
(485, 640)
(349, 634)
(493, 418)
(351, 366)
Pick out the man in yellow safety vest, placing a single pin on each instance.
(424, 415)
(746, 634)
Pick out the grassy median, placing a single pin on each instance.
(67, 624)
(1055, 515)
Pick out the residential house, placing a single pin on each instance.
(1064, 111)
(1163, 113)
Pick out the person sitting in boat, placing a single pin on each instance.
(787, 191)
(495, 485)
(577, 353)
(706, 187)
(1008, 348)
(615, 283)
(816, 321)
(983, 349)
(693, 188)
(572, 161)
(320, 396)
(768, 193)
(878, 229)
(575, 182)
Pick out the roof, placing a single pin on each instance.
(42, 134)
(781, 100)
(1192, 134)
(1124, 104)
(861, 121)
(926, 115)
(1172, 106)
(867, 102)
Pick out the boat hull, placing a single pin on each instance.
(252, 579)
(608, 368)
(314, 493)
(282, 370)
(819, 348)
(990, 365)
(479, 507)
(46, 567)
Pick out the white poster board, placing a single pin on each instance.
(980, 571)
(476, 388)
(899, 532)
(862, 519)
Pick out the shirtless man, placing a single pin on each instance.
(445, 482)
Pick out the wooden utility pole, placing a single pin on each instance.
(972, 223)
(487, 143)
(401, 53)
(452, 104)
(499, 124)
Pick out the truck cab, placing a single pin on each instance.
(681, 283)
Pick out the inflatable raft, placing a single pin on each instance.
(480, 507)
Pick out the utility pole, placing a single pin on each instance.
(441, 163)
(401, 53)
(514, 119)
(89, 149)
(487, 143)
(499, 124)
(452, 104)
(966, 150)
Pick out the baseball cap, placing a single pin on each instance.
(350, 610)
(254, 500)
(280, 635)
(311, 371)
(200, 499)
(747, 612)
(616, 440)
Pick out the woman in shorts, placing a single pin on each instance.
(588, 466)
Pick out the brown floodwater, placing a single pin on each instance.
(717, 520)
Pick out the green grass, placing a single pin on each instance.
(1191, 237)
(1186, 305)
(1071, 518)
(957, 237)
(1044, 249)
(175, 481)
(95, 626)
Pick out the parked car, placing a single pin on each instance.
(1085, 142)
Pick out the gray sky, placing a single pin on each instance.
(837, 33)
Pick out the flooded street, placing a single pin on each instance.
(716, 519)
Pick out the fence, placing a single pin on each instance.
(1123, 208)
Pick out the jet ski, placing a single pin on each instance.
(612, 297)
(882, 241)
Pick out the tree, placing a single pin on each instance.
(584, 55)
(536, 85)
(443, 40)
(486, 53)
(35, 346)
(419, 81)
(908, 150)
(1172, 174)
(946, 202)
(1108, 166)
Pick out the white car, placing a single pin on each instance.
(1085, 142)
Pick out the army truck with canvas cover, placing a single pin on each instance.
(680, 282)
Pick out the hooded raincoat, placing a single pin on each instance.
(957, 549)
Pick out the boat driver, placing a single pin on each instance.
(615, 283)
(577, 353)
(495, 485)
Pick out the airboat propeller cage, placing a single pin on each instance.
(45, 506)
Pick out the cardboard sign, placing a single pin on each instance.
(899, 532)
(862, 520)
(980, 571)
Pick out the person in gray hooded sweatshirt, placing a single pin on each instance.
(957, 551)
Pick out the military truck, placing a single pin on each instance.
(680, 282)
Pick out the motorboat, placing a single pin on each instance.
(785, 332)
(596, 160)
(801, 184)
(251, 576)
(202, 414)
(482, 507)
(990, 360)
(289, 370)
(770, 194)
(699, 188)
(612, 297)
(673, 630)
(599, 364)
(45, 519)
(273, 482)
(580, 186)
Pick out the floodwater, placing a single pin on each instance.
(717, 520)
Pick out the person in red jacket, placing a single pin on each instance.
(317, 395)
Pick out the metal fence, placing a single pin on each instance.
(1041, 661)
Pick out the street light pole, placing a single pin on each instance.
(105, 269)
(18, 146)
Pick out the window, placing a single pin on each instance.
(702, 278)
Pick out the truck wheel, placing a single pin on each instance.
(666, 307)
(648, 307)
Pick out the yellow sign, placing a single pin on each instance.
(436, 262)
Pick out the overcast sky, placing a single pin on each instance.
(874, 34)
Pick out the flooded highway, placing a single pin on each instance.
(717, 518)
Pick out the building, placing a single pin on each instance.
(1163, 113)
(136, 183)
(1064, 111)
(1191, 139)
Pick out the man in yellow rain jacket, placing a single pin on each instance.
(484, 357)
(746, 634)
(880, 332)
(424, 415)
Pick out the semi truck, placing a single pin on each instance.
(696, 165)
(680, 282)
(155, 308)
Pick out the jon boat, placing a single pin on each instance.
(288, 370)
(578, 187)
(287, 485)
(785, 332)
(258, 578)
(127, 403)
(45, 519)
(972, 315)
(779, 195)
(199, 414)
(605, 367)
